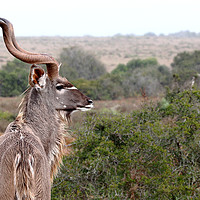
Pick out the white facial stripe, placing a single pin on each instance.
(89, 106)
(66, 88)
(83, 109)
(86, 108)
(72, 88)
(59, 84)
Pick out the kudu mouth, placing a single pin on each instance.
(66, 113)
(87, 107)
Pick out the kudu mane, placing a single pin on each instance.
(31, 148)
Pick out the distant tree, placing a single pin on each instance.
(77, 64)
(120, 69)
(135, 63)
(187, 60)
(186, 65)
(106, 87)
(149, 79)
(144, 74)
(150, 34)
(13, 78)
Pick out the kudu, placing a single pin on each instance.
(31, 148)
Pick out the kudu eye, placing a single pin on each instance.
(59, 87)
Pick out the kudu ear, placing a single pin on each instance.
(37, 77)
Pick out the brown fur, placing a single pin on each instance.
(53, 146)
(31, 149)
(25, 171)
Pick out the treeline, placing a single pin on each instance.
(128, 80)
(83, 69)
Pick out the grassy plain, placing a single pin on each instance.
(10, 105)
(110, 50)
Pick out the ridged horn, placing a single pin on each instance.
(25, 56)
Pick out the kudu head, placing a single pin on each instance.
(64, 97)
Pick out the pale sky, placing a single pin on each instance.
(100, 17)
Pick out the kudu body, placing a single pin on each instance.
(31, 148)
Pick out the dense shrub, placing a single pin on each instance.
(186, 65)
(13, 78)
(106, 87)
(149, 78)
(134, 64)
(78, 64)
(128, 81)
(5, 119)
(88, 87)
(150, 154)
(145, 74)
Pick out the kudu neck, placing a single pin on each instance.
(39, 113)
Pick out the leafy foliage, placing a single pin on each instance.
(186, 65)
(134, 64)
(77, 64)
(5, 119)
(128, 81)
(106, 87)
(13, 78)
(152, 153)
(145, 75)
(7, 116)
(88, 74)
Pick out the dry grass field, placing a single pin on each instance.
(11, 104)
(110, 50)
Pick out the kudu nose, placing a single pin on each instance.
(90, 101)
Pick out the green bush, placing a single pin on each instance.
(6, 116)
(5, 119)
(88, 87)
(134, 64)
(13, 78)
(128, 81)
(106, 87)
(146, 75)
(186, 65)
(88, 74)
(79, 64)
(152, 153)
